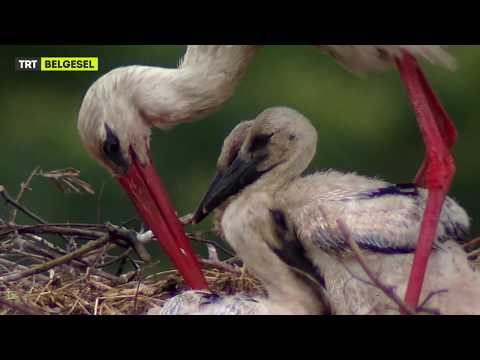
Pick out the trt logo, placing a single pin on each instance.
(27, 64)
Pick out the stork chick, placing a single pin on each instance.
(265, 240)
(268, 154)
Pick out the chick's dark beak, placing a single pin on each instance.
(228, 182)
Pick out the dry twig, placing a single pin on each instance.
(92, 245)
(23, 187)
(199, 238)
(11, 201)
(22, 309)
(67, 180)
(387, 290)
(472, 244)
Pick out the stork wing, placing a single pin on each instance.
(361, 59)
(381, 217)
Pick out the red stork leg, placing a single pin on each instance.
(437, 170)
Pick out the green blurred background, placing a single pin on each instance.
(364, 125)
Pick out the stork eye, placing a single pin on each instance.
(112, 149)
(259, 142)
(111, 145)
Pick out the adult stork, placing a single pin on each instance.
(120, 108)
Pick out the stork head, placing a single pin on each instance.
(116, 132)
(264, 153)
(111, 126)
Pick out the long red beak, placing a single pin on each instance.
(147, 193)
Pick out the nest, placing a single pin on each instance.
(66, 269)
(62, 294)
(78, 283)
(73, 276)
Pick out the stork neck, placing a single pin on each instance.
(286, 288)
(279, 177)
(205, 79)
(246, 228)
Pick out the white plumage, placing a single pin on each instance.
(263, 244)
(132, 99)
(383, 218)
(205, 303)
(120, 108)
(361, 59)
